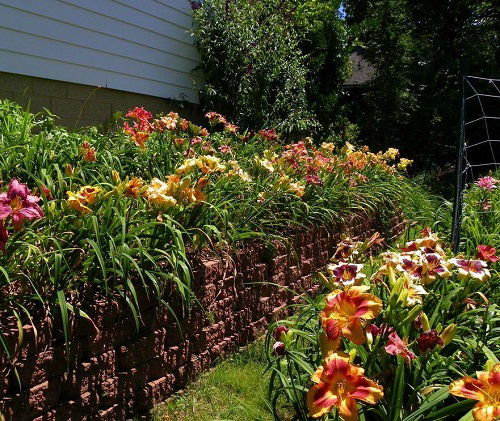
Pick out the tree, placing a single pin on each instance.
(420, 49)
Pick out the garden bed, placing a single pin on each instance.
(116, 371)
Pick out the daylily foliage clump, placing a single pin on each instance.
(117, 206)
(393, 332)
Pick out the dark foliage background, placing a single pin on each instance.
(282, 63)
(420, 48)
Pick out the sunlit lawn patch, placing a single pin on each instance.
(235, 390)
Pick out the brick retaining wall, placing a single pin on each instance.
(118, 373)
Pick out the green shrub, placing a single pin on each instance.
(254, 70)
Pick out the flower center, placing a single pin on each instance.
(16, 204)
(341, 387)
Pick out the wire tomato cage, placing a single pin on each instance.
(479, 142)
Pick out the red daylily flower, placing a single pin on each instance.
(338, 385)
(485, 389)
(4, 235)
(346, 311)
(487, 253)
(428, 340)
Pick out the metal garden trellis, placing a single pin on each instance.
(479, 142)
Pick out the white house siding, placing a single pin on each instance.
(141, 46)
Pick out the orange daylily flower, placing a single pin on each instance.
(133, 187)
(346, 311)
(485, 389)
(338, 385)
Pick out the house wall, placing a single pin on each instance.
(58, 52)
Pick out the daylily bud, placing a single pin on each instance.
(116, 176)
(391, 275)
(279, 349)
(448, 333)
(425, 322)
(412, 315)
(279, 332)
(68, 169)
(369, 339)
(323, 278)
(352, 354)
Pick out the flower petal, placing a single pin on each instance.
(348, 409)
(469, 388)
(485, 412)
(367, 390)
(320, 400)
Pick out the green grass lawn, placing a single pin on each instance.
(235, 390)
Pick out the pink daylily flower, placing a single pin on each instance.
(487, 183)
(396, 346)
(19, 204)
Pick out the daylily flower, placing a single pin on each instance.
(476, 269)
(203, 132)
(87, 195)
(487, 183)
(391, 154)
(279, 331)
(404, 163)
(269, 135)
(396, 346)
(76, 202)
(413, 292)
(139, 114)
(338, 385)
(297, 188)
(139, 133)
(328, 146)
(313, 179)
(346, 274)
(346, 311)
(329, 346)
(225, 149)
(434, 266)
(184, 125)
(90, 193)
(159, 194)
(89, 153)
(428, 340)
(210, 164)
(279, 349)
(485, 389)
(382, 330)
(215, 118)
(133, 187)
(4, 235)
(231, 128)
(346, 250)
(19, 204)
(487, 253)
